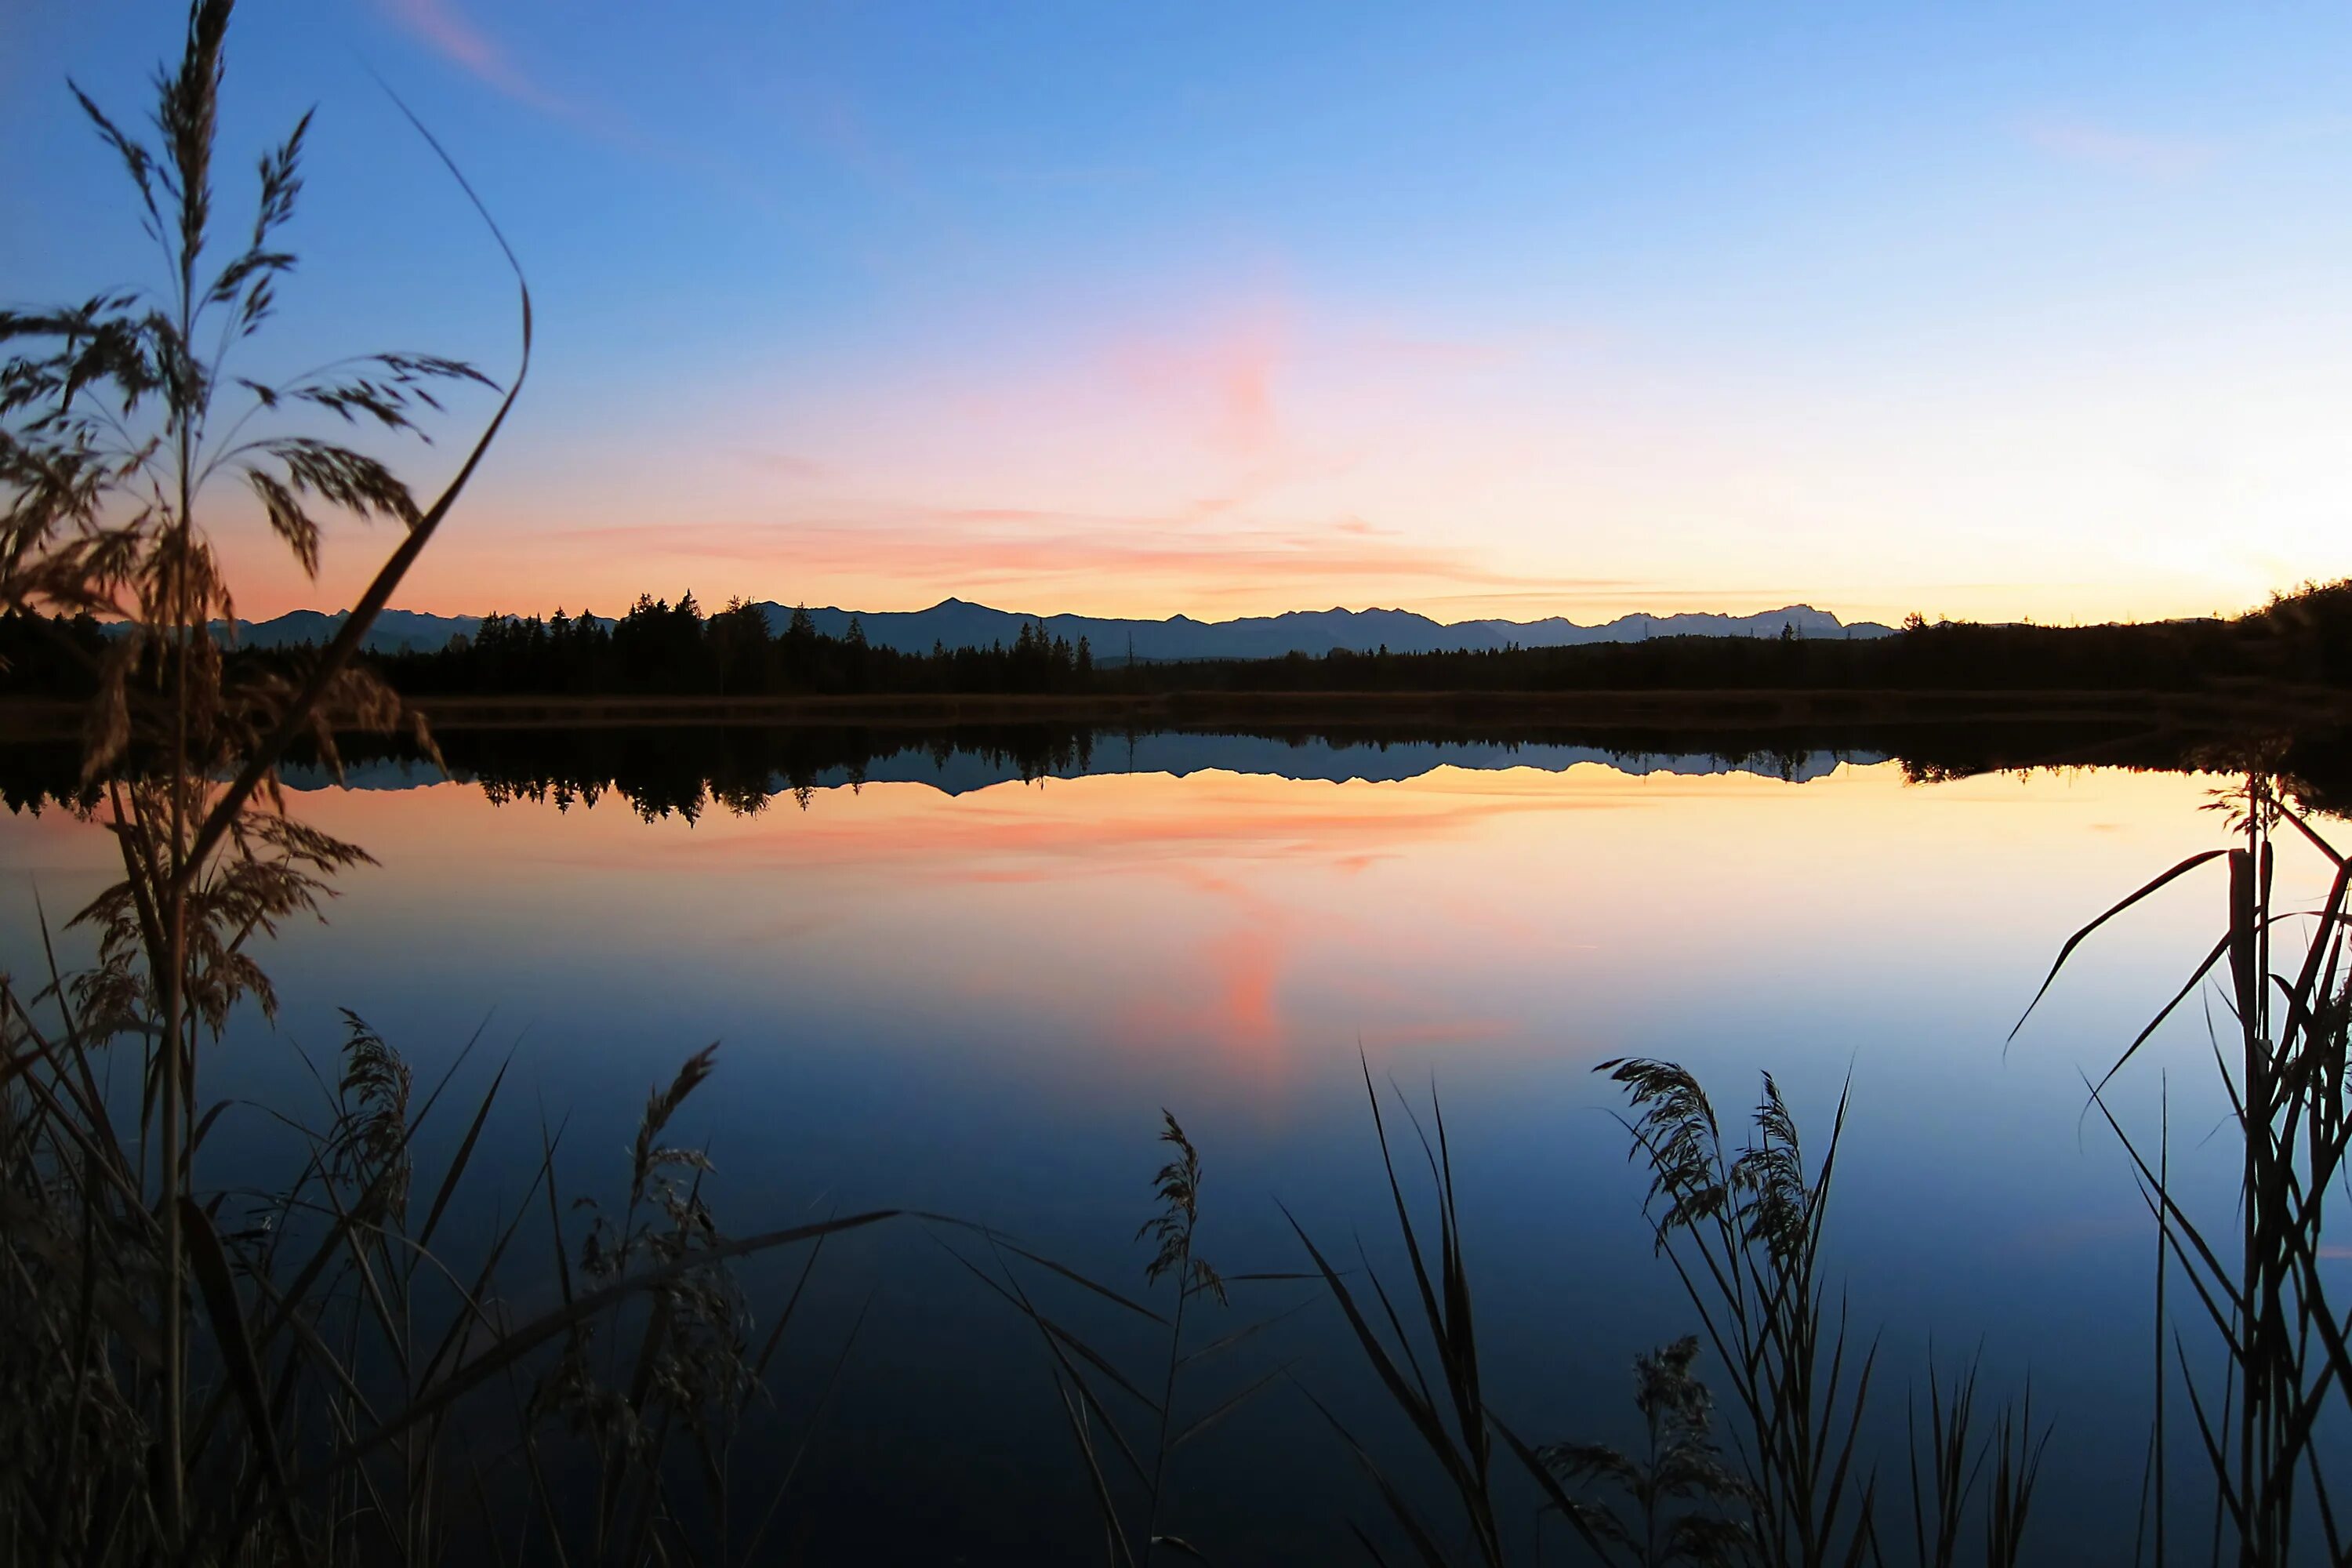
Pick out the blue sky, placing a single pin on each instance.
(1138, 309)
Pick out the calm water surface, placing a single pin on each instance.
(976, 995)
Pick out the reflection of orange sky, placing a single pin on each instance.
(1261, 927)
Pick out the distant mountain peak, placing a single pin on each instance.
(961, 623)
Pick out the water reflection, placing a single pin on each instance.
(686, 770)
(934, 989)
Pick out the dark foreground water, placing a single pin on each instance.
(936, 982)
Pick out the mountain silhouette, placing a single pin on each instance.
(958, 622)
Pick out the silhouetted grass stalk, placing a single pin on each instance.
(104, 516)
(1743, 1234)
(2286, 1367)
(1457, 1428)
(293, 1390)
(1132, 1497)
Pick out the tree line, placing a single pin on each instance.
(1953, 657)
(662, 648)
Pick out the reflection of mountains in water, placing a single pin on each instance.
(686, 769)
(964, 769)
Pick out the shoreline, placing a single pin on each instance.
(2210, 711)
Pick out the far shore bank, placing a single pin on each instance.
(2212, 711)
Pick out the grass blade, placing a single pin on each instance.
(2157, 885)
(465, 1152)
(210, 1264)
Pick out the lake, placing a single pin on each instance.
(970, 980)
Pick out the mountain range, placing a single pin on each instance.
(957, 623)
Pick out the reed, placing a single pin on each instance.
(1129, 1475)
(1743, 1231)
(1744, 1235)
(121, 414)
(1451, 1416)
(2274, 1370)
(1680, 1494)
(315, 1383)
(344, 1370)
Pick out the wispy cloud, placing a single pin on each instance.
(1042, 552)
(1071, 176)
(781, 465)
(1220, 381)
(823, 117)
(440, 24)
(2098, 146)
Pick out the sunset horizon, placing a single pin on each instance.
(1631, 605)
(1247, 316)
(901, 782)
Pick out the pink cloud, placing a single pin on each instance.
(450, 35)
(1388, 351)
(983, 549)
(826, 119)
(2121, 151)
(784, 465)
(1220, 381)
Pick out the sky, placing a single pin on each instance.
(1992, 311)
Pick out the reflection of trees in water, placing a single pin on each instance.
(2313, 768)
(741, 770)
(39, 775)
(686, 770)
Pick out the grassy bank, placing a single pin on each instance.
(2219, 712)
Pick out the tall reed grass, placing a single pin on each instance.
(1743, 1231)
(2262, 1357)
(310, 1386)
(1128, 1424)
(2263, 1362)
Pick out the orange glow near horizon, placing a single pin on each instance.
(1257, 927)
(879, 569)
(840, 328)
(1254, 456)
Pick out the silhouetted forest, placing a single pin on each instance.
(40, 656)
(2300, 640)
(659, 648)
(1953, 655)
